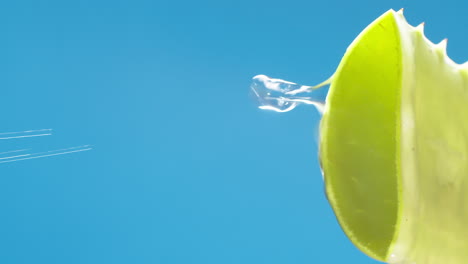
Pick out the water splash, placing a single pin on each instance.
(283, 96)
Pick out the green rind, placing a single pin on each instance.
(359, 146)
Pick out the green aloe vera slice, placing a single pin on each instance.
(394, 146)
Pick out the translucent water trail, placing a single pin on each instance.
(24, 154)
(17, 156)
(283, 96)
(44, 154)
(26, 134)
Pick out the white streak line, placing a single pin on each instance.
(17, 156)
(46, 155)
(27, 131)
(26, 136)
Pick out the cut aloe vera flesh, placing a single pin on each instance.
(394, 146)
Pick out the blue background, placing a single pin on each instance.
(185, 168)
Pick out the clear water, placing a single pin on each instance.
(283, 96)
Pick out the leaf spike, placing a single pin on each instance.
(421, 26)
(443, 44)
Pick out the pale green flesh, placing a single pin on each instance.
(394, 146)
(434, 220)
